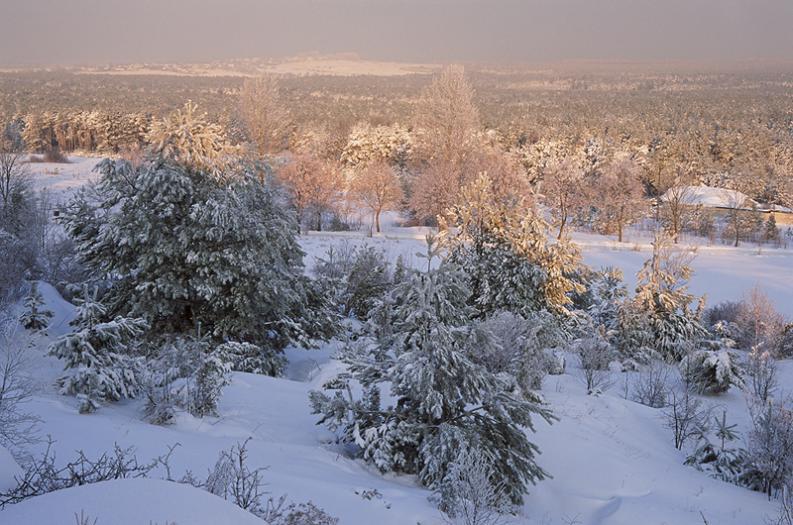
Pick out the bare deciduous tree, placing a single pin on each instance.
(446, 116)
(14, 175)
(677, 204)
(313, 184)
(622, 196)
(736, 209)
(761, 325)
(264, 115)
(685, 415)
(17, 427)
(566, 191)
(376, 186)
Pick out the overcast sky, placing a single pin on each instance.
(117, 31)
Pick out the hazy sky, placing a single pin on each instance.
(101, 31)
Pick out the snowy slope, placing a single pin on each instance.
(612, 460)
(129, 502)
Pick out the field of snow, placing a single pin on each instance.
(612, 460)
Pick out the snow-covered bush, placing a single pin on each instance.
(36, 317)
(356, 277)
(516, 350)
(711, 371)
(189, 375)
(99, 355)
(468, 496)
(247, 357)
(606, 291)
(769, 465)
(212, 374)
(443, 401)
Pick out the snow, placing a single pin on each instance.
(9, 469)
(62, 179)
(612, 460)
(129, 502)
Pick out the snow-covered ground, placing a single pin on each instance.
(612, 460)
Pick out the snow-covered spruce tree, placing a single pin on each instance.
(504, 251)
(659, 321)
(192, 241)
(443, 402)
(99, 355)
(36, 317)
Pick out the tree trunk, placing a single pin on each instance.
(561, 226)
(377, 220)
(319, 221)
(619, 232)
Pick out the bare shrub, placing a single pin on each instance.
(685, 415)
(651, 385)
(762, 371)
(42, 475)
(232, 479)
(17, 426)
(595, 355)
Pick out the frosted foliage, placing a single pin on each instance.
(710, 371)
(97, 356)
(443, 401)
(197, 248)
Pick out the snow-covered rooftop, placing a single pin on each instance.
(710, 197)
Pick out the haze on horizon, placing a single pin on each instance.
(55, 32)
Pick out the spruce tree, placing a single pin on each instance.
(443, 402)
(99, 355)
(36, 316)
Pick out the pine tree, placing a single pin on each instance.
(444, 403)
(504, 251)
(660, 319)
(98, 355)
(36, 317)
(191, 240)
